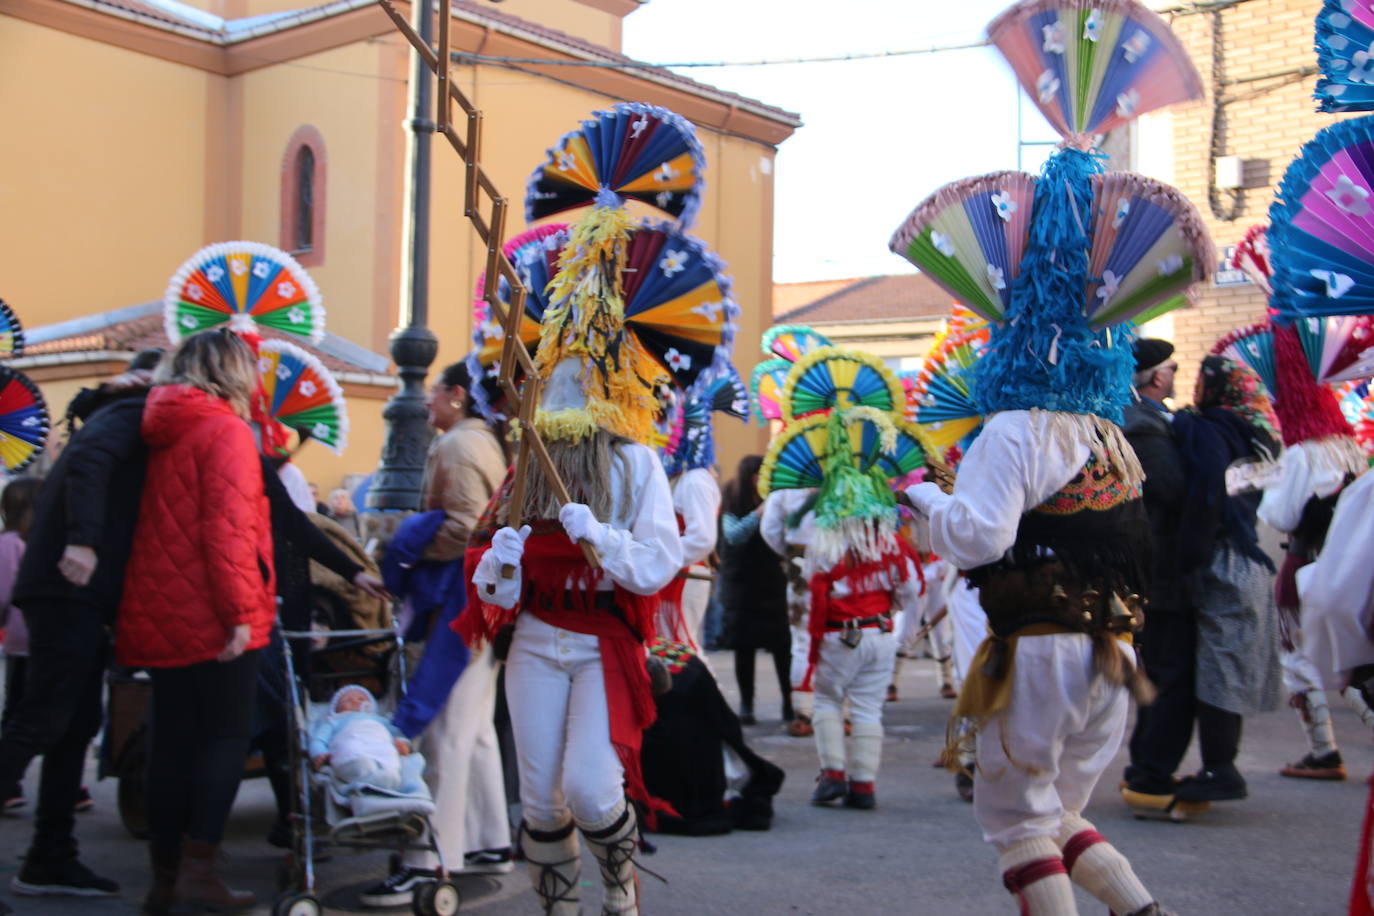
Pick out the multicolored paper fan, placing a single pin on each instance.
(302, 394)
(677, 302)
(1321, 226)
(23, 420)
(691, 444)
(792, 341)
(1252, 257)
(1093, 65)
(1344, 35)
(1358, 408)
(969, 237)
(11, 333)
(765, 389)
(1253, 347)
(941, 400)
(1149, 244)
(1338, 348)
(795, 459)
(636, 151)
(834, 378)
(246, 285)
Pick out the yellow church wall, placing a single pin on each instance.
(101, 199)
(336, 92)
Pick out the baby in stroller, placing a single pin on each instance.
(360, 747)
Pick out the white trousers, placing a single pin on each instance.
(557, 694)
(1061, 730)
(464, 771)
(969, 624)
(860, 674)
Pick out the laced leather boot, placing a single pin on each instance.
(198, 880)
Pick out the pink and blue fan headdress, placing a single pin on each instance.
(787, 344)
(1321, 232)
(534, 255)
(692, 442)
(1344, 34)
(1062, 264)
(246, 285)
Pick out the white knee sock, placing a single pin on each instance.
(829, 738)
(1033, 870)
(1099, 868)
(865, 751)
(1316, 720)
(555, 866)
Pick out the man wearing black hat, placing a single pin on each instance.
(1169, 641)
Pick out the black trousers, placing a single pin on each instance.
(744, 671)
(202, 725)
(58, 715)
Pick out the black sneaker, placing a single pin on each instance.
(1327, 766)
(67, 878)
(488, 862)
(963, 785)
(398, 888)
(1222, 784)
(830, 785)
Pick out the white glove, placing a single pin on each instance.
(508, 545)
(580, 524)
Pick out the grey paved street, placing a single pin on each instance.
(1287, 850)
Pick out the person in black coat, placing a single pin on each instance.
(1168, 644)
(753, 589)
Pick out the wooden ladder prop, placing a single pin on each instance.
(514, 355)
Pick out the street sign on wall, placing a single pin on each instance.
(1225, 274)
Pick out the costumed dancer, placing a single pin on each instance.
(576, 678)
(1046, 513)
(787, 518)
(689, 460)
(846, 439)
(926, 621)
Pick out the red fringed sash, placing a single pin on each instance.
(560, 589)
(670, 602)
(866, 598)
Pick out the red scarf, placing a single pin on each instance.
(560, 589)
(866, 598)
(670, 602)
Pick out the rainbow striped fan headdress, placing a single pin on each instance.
(1055, 262)
(641, 304)
(246, 285)
(846, 438)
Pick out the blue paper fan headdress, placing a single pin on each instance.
(691, 442)
(1054, 262)
(642, 305)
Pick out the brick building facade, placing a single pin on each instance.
(1257, 57)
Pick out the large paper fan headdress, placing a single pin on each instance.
(692, 443)
(1344, 38)
(11, 333)
(23, 420)
(246, 285)
(302, 394)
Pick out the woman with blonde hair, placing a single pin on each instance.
(197, 608)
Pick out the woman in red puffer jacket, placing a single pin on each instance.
(198, 605)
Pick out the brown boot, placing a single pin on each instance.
(198, 879)
(160, 895)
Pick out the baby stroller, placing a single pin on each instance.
(322, 816)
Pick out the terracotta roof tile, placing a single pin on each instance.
(142, 333)
(883, 298)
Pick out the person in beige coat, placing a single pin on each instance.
(464, 468)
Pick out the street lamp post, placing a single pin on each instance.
(400, 475)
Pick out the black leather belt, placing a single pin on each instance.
(859, 623)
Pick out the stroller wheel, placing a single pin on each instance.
(297, 905)
(436, 898)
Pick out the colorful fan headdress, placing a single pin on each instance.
(1056, 261)
(1358, 408)
(640, 304)
(691, 442)
(786, 344)
(11, 332)
(247, 285)
(1344, 38)
(1321, 226)
(940, 399)
(847, 442)
(23, 420)
(301, 394)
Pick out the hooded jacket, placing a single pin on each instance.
(201, 561)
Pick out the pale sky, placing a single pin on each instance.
(879, 135)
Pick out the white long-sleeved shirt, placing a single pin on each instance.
(1013, 466)
(696, 497)
(778, 507)
(1337, 590)
(1307, 469)
(639, 550)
